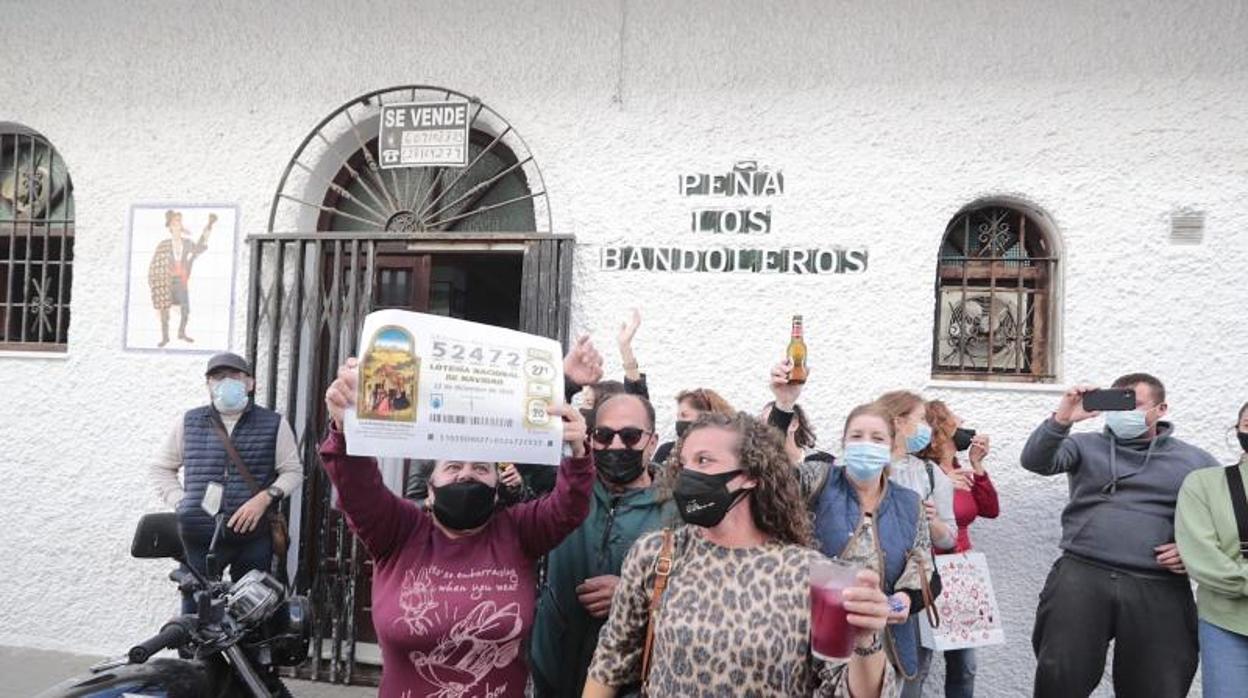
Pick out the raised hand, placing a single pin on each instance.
(1070, 409)
(574, 430)
(583, 364)
(980, 448)
(341, 393)
(509, 476)
(786, 393)
(628, 329)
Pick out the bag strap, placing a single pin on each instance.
(1235, 482)
(925, 585)
(931, 478)
(232, 452)
(662, 569)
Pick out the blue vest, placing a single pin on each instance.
(204, 460)
(837, 514)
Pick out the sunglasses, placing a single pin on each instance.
(631, 436)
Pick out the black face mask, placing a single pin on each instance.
(704, 500)
(618, 466)
(962, 438)
(462, 506)
(1243, 440)
(682, 426)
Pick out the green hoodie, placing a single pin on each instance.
(564, 634)
(1208, 541)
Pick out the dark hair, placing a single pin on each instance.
(1133, 379)
(804, 436)
(776, 506)
(599, 404)
(605, 389)
(1242, 410)
(706, 400)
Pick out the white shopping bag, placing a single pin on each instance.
(969, 615)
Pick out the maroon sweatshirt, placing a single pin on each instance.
(453, 615)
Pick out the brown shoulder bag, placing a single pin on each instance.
(662, 570)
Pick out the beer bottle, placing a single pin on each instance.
(797, 353)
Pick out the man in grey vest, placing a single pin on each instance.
(266, 444)
(1120, 576)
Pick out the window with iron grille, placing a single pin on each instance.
(36, 243)
(995, 297)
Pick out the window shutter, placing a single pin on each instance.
(546, 281)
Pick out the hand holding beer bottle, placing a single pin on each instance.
(785, 391)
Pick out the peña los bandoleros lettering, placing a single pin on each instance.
(798, 260)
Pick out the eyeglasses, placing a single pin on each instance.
(603, 436)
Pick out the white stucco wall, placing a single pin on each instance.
(885, 117)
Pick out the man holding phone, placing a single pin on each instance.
(1120, 576)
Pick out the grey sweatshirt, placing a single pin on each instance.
(1122, 493)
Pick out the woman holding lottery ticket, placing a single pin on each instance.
(454, 585)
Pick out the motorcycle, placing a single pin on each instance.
(231, 646)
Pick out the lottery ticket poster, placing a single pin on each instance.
(969, 615)
(434, 387)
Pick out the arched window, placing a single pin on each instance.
(996, 305)
(36, 242)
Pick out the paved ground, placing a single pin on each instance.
(26, 672)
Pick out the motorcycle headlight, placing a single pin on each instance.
(290, 631)
(254, 598)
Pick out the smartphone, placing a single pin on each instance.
(1111, 400)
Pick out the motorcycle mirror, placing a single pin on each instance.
(156, 536)
(211, 503)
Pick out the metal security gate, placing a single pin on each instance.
(309, 293)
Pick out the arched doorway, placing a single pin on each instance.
(347, 236)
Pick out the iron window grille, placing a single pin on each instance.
(36, 243)
(995, 306)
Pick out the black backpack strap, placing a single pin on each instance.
(1235, 482)
(931, 479)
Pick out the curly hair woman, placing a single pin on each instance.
(735, 616)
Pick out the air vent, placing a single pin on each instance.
(1187, 228)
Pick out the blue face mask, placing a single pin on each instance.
(1127, 425)
(919, 440)
(229, 395)
(865, 460)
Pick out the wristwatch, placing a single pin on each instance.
(276, 493)
(876, 646)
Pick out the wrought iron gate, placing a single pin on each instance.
(309, 293)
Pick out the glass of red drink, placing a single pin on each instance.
(831, 635)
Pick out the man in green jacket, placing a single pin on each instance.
(1209, 540)
(583, 571)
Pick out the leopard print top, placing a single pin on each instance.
(734, 622)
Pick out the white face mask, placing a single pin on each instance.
(229, 395)
(1129, 424)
